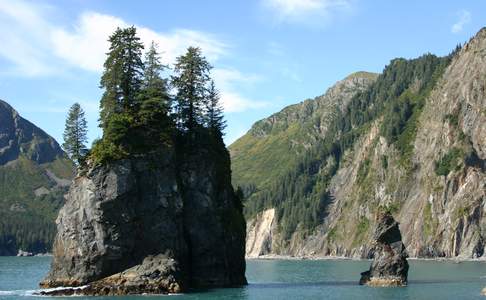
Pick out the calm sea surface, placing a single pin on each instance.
(288, 279)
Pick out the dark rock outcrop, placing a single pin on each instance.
(118, 214)
(158, 274)
(390, 266)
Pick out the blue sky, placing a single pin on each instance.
(266, 54)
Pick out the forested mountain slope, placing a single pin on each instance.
(34, 176)
(413, 143)
(272, 145)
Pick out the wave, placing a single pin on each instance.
(18, 293)
(36, 293)
(7, 293)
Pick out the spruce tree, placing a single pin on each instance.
(214, 110)
(75, 134)
(153, 99)
(190, 80)
(122, 75)
(153, 68)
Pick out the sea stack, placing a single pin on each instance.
(389, 266)
(152, 224)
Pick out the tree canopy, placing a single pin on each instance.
(190, 80)
(138, 112)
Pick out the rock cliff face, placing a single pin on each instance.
(34, 175)
(259, 239)
(118, 214)
(436, 190)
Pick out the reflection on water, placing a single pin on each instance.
(291, 279)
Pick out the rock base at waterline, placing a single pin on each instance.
(156, 275)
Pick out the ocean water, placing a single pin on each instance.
(287, 279)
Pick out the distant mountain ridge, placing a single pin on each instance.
(19, 136)
(411, 142)
(34, 175)
(272, 144)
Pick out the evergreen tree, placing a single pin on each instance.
(122, 76)
(75, 134)
(154, 101)
(153, 68)
(190, 80)
(214, 111)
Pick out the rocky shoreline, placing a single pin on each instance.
(289, 257)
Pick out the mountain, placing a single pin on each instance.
(34, 176)
(272, 145)
(411, 142)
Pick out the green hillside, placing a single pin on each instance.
(285, 163)
(34, 176)
(272, 146)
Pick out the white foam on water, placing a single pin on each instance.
(36, 293)
(7, 293)
(18, 293)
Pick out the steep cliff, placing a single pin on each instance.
(413, 144)
(34, 175)
(260, 234)
(182, 206)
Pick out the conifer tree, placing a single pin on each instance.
(153, 100)
(122, 76)
(214, 111)
(153, 68)
(190, 80)
(75, 134)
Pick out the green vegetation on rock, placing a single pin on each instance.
(451, 161)
(298, 185)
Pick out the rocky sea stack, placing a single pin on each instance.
(157, 223)
(390, 266)
(153, 210)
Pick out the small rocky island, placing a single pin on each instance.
(152, 210)
(164, 228)
(389, 266)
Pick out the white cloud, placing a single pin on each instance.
(225, 77)
(464, 19)
(227, 81)
(36, 46)
(85, 46)
(22, 38)
(305, 11)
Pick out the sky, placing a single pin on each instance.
(266, 54)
